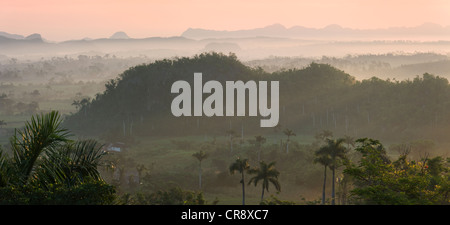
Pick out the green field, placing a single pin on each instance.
(170, 164)
(56, 97)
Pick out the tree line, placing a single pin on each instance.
(312, 99)
(44, 166)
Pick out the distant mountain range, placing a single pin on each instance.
(329, 32)
(119, 35)
(21, 37)
(273, 40)
(35, 36)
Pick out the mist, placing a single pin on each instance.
(389, 85)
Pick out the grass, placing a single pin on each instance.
(55, 97)
(171, 163)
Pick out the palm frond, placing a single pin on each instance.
(239, 165)
(72, 163)
(41, 133)
(265, 173)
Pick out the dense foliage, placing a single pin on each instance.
(46, 167)
(314, 98)
(88, 193)
(378, 180)
(172, 196)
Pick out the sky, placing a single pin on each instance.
(60, 20)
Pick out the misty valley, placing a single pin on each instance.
(353, 129)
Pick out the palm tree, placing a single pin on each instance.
(324, 135)
(84, 103)
(240, 165)
(140, 169)
(267, 174)
(324, 160)
(2, 123)
(288, 133)
(334, 150)
(200, 156)
(77, 104)
(276, 129)
(43, 155)
(38, 136)
(71, 163)
(349, 141)
(259, 141)
(231, 135)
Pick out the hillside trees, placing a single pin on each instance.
(317, 97)
(378, 180)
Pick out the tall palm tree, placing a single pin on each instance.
(200, 156)
(240, 165)
(266, 173)
(231, 135)
(335, 150)
(276, 129)
(288, 133)
(259, 141)
(324, 160)
(349, 141)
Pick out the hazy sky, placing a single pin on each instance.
(75, 19)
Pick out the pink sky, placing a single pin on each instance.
(60, 20)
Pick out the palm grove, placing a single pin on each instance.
(318, 101)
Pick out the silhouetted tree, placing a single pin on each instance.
(266, 173)
(325, 161)
(200, 156)
(240, 165)
(259, 141)
(330, 154)
(288, 133)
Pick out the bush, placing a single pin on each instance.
(173, 196)
(89, 193)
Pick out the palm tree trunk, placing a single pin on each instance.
(243, 189)
(287, 146)
(324, 184)
(200, 176)
(262, 195)
(332, 189)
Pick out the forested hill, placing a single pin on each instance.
(312, 99)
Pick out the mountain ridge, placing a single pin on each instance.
(327, 32)
(278, 30)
